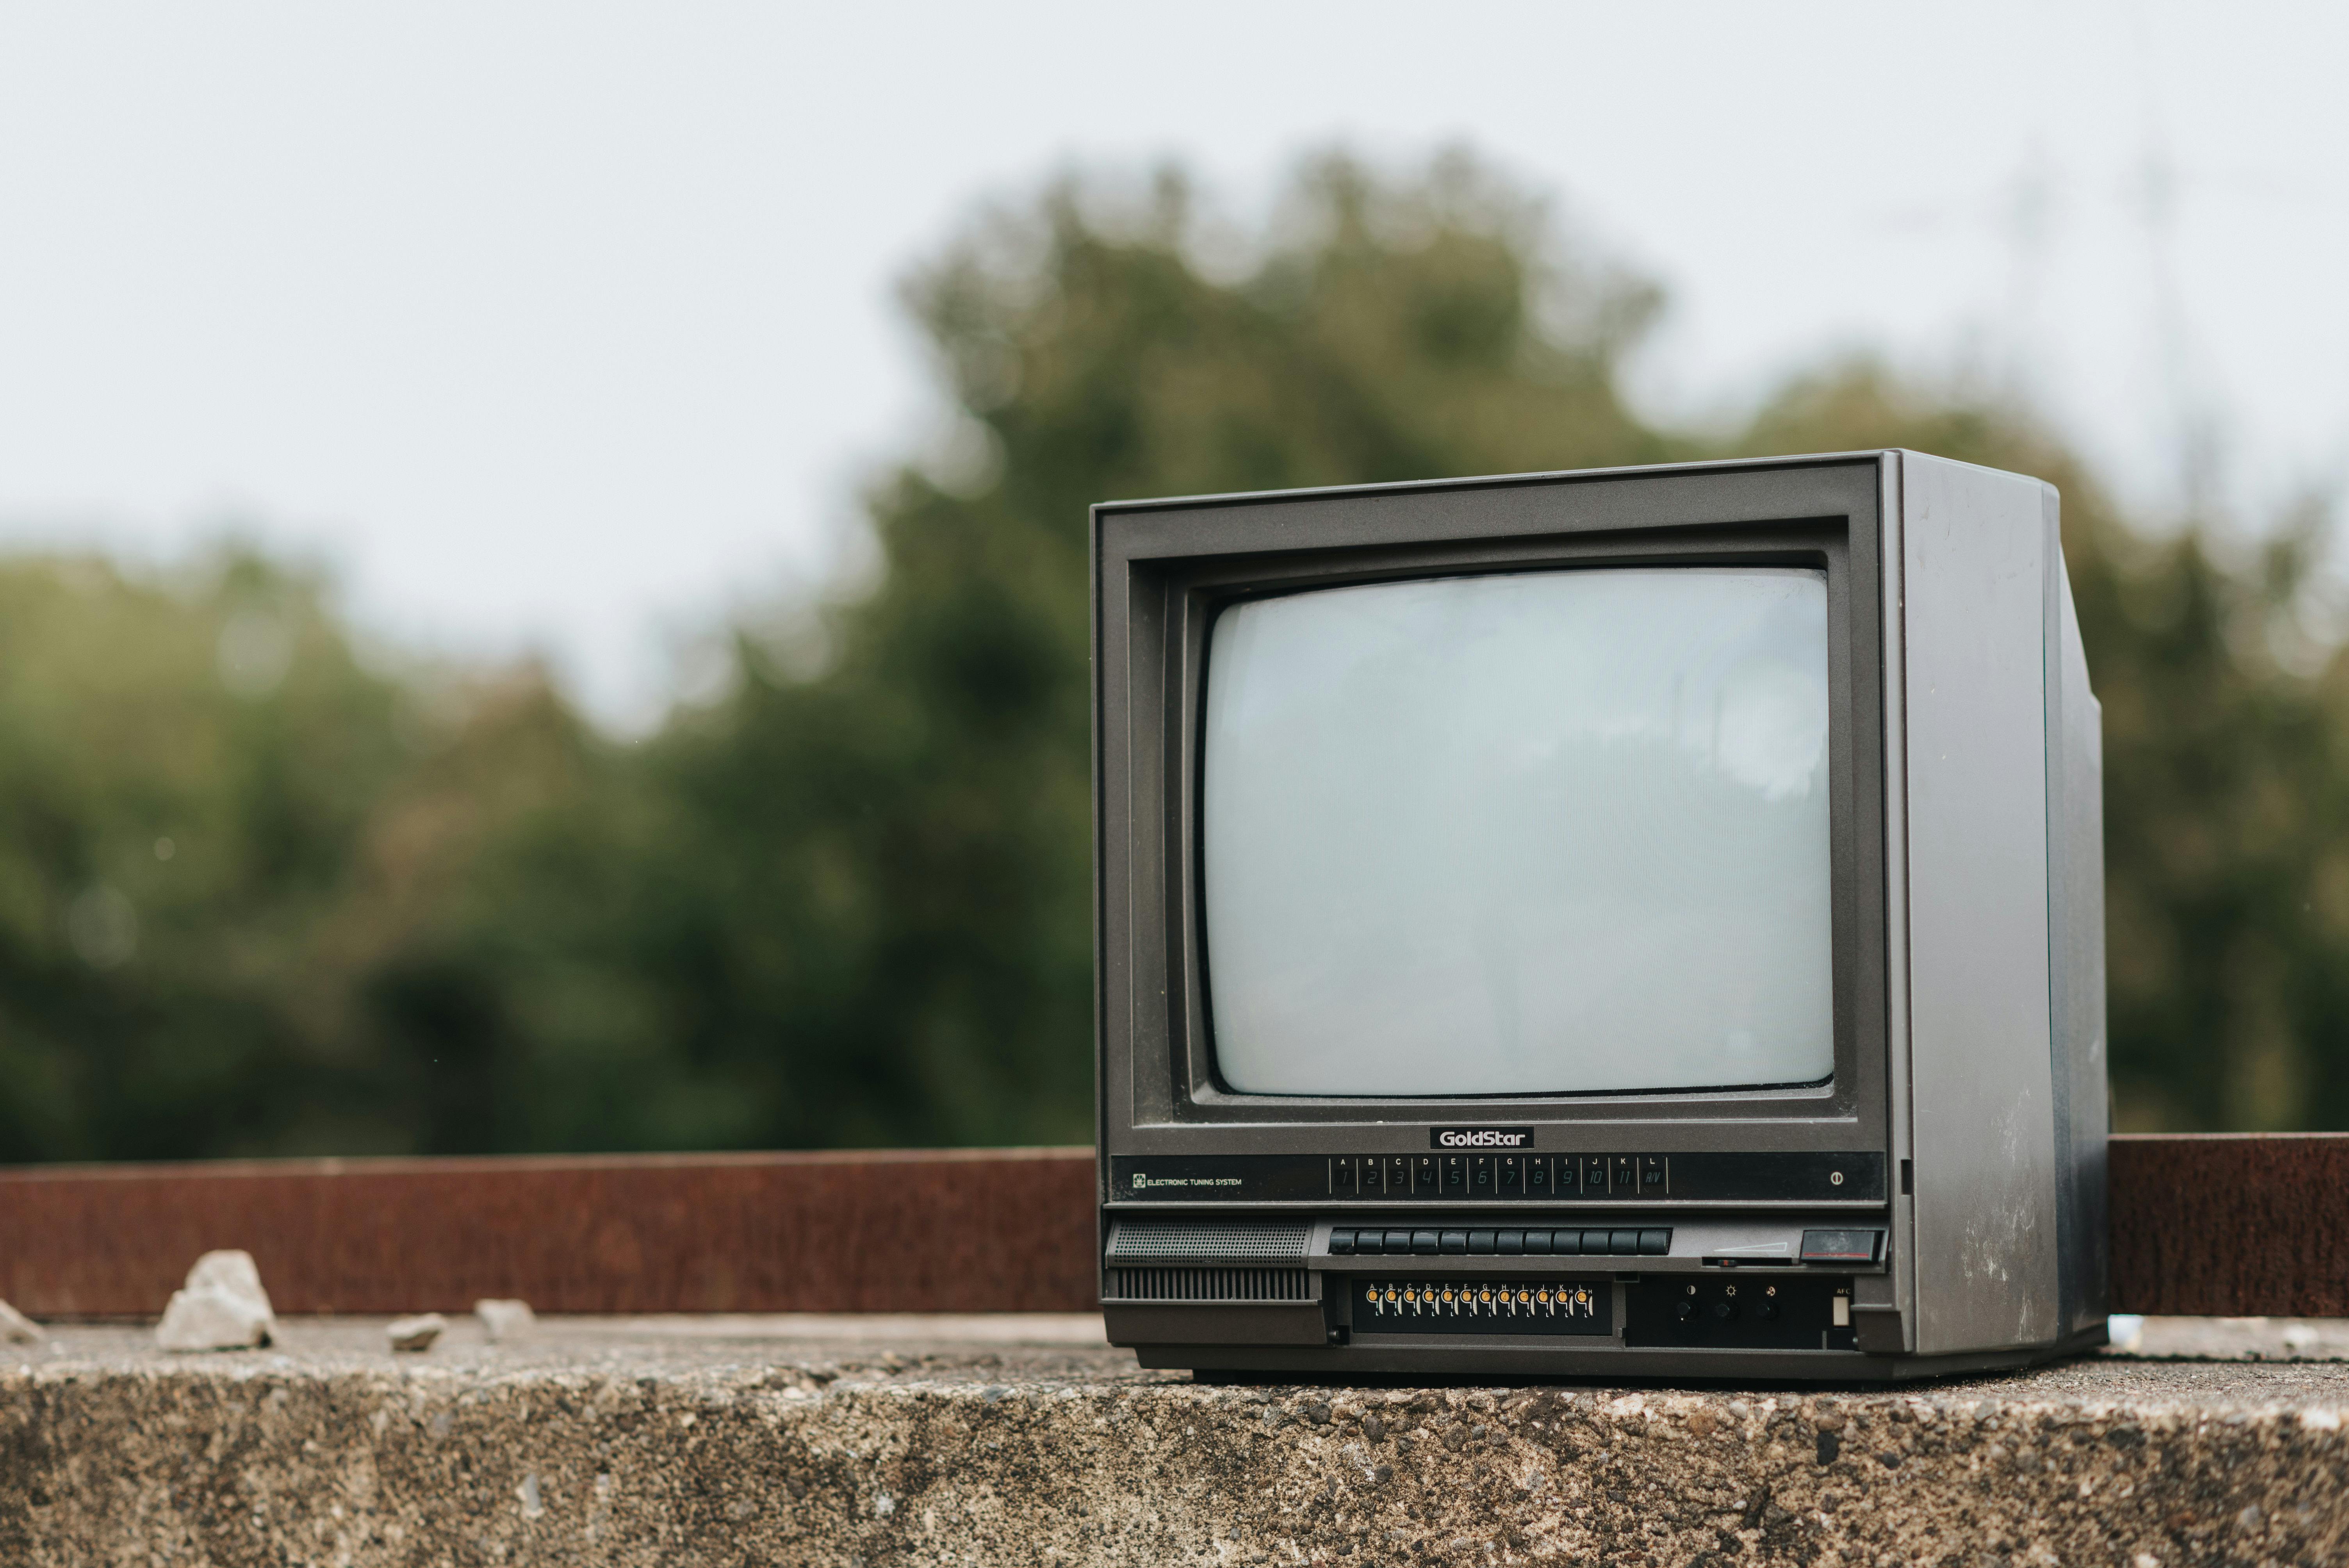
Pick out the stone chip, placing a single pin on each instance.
(417, 1333)
(15, 1328)
(222, 1307)
(506, 1318)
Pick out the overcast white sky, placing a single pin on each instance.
(568, 327)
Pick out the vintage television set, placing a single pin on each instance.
(1642, 922)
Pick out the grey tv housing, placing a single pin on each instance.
(1934, 1203)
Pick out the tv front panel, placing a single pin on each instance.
(1640, 922)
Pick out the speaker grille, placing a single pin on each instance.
(1174, 1241)
(1208, 1285)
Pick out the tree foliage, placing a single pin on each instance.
(185, 771)
(847, 902)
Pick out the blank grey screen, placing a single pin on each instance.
(1550, 833)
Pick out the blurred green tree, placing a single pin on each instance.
(184, 773)
(847, 902)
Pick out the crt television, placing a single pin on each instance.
(1640, 921)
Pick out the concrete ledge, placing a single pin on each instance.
(805, 1441)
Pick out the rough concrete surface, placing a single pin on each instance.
(745, 1441)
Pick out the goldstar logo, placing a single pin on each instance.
(1480, 1137)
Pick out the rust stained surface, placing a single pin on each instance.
(2218, 1225)
(945, 1231)
(2232, 1224)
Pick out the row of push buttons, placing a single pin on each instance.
(1348, 1241)
(1542, 1176)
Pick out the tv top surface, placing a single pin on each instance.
(1530, 832)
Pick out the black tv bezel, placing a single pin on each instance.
(1815, 557)
(1162, 570)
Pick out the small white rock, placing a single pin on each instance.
(222, 1307)
(233, 1272)
(208, 1320)
(416, 1333)
(18, 1329)
(505, 1320)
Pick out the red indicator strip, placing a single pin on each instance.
(1841, 1246)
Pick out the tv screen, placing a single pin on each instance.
(1547, 832)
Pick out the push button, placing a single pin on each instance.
(1595, 1243)
(1398, 1243)
(1509, 1243)
(1454, 1241)
(1367, 1244)
(1538, 1243)
(1623, 1242)
(1423, 1243)
(1564, 1243)
(1480, 1243)
(1655, 1243)
(1342, 1243)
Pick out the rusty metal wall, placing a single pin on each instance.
(2232, 1224)
(950, 1231)
(2225, 1226)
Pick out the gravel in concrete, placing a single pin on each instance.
(747, 1442)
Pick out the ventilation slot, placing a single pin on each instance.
(1209, 1284)
(1164, 1241)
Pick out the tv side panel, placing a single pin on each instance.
(2076, 815)
(1976, 561)
(1898, 1290)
